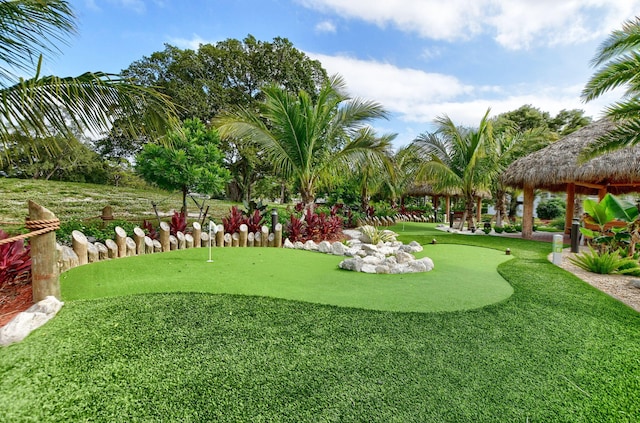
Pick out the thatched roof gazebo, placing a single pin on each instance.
(557, 168)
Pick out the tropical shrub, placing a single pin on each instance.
(150, 230)
(606, 262)
(178, 223)
(498, 229)
(15, 262)
(232, 222)
(315, 226)
(375, 235)
(550, 209)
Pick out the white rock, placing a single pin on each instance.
(354, 264)
(428, 263)
(369, 248)
(298, 245)
(371, 260)
(22, 325)
(338, 249)
(382, 269)
(417, 266)
(352, 251)
(324, 247)
(352, 234)
(416, 245)
(353, 242)
(310, 246)
(403, 257)
(368, 268)
(287, 244)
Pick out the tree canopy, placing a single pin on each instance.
(189, 161)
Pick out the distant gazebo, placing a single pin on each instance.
(556, 168)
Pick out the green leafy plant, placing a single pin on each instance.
(550, 209)
(605, 263)
(498, 229)
(15, 261)
(603, 214)
(376, 235)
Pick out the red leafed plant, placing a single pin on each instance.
(15, 262)
(178, 223)
(255, 221)
(232, 223)
(295, 228)
(316, 227)
(151, 231)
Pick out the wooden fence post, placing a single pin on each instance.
(121, 241)
(138, 238)
(164, 236)
(197, 231)
(278, 235)
(79, 245)
(264, 238)
(44, 263)
(112, 248)
(243, 235)
(219, 236)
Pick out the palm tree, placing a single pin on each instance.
(458, 159)
(49, 106)
(618, 59)
(309, 138)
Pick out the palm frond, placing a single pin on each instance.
(42, 106)
(622, 71)
(625, 134)
(619, 42)
(29, 29)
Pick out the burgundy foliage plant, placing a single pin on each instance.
(15, 262)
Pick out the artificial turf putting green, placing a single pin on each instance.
(464, 278)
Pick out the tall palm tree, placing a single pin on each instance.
(43, 106)
(618, 62)
(309, 138)
(458, 159)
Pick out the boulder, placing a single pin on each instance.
(403, 257)
(324, 247)
(310, 246)
(34, 317)
(338, 249)
(287, 244)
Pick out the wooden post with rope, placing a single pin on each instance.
(44, 266)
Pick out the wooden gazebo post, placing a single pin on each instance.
(44, 266)
(571, 197)
(447, 208)
(527, 212)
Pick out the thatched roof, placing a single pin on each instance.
(424, 189)
(556, 165)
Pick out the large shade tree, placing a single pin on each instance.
(618, 65)
(458, 159)
(308, 137)
(49, 106)
(223, 75)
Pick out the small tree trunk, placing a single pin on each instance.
(138, 237)
(165, 232)
(79, 244)
(197, 230)
(121, 241)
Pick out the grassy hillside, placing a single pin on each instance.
(80, 201)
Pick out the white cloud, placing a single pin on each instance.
(416, 98)
(185, 43)
(137, 6)
(326, 26)
(515, 24)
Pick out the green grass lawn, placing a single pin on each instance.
(464, 278)
(557, 350)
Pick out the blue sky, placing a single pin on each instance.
(419, 58)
